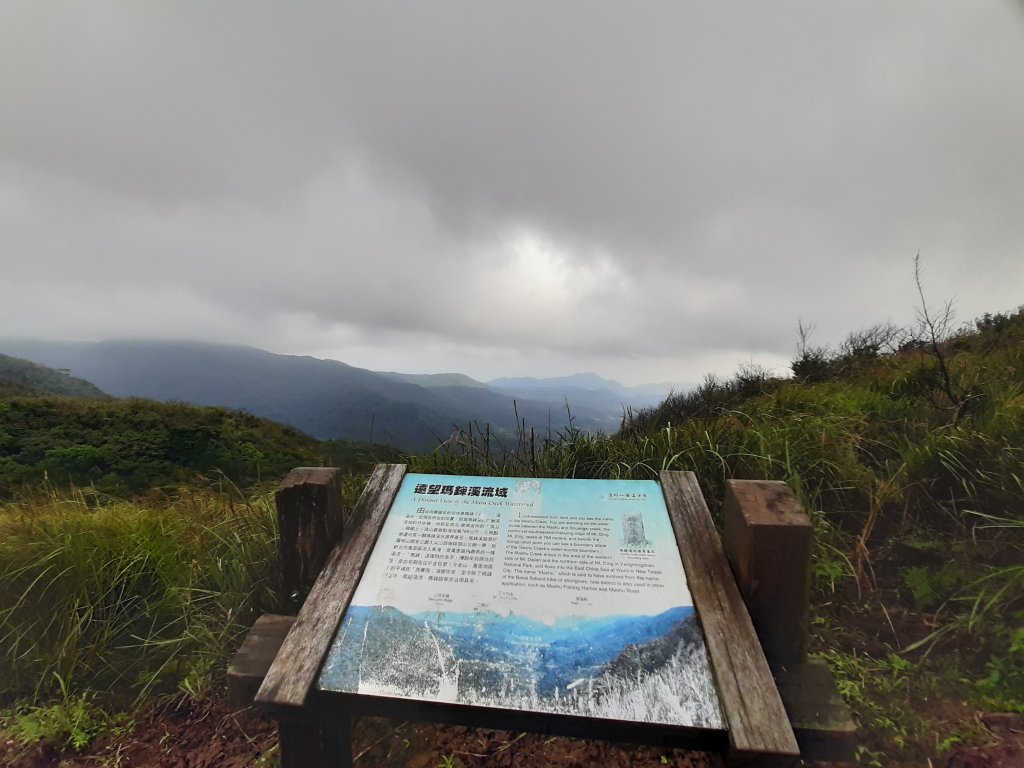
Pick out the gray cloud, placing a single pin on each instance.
(651, 192)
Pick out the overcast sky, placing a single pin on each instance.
(650, 191)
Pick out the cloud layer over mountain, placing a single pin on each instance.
(650, 192)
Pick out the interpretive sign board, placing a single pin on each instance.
(540, 595)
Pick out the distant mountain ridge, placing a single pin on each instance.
(588, 393)
(324, 398)
(329, 399)
(591, 380)
(432, 380)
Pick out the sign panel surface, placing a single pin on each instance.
(563, 596)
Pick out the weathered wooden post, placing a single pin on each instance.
(768, 539)
(310, 524)
(759, 730)
(309, 518)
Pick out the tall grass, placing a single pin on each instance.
(874, 458)
(128, 597)
(790, 436)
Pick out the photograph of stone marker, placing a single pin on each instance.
(633, 530)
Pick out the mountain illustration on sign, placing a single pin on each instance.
(643, 668)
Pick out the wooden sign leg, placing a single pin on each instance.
(343, 741)
(309, 512)
(316, 744)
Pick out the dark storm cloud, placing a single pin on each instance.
(649, 190)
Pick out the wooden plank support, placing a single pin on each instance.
(768, 540)
(249, 665)
(824, 727)
(309, 520)
(759, 729)
(295, 669)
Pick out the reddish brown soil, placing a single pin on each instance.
(1006, 747)
(212, 735)
(206, 734)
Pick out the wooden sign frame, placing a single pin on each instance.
(757, 724)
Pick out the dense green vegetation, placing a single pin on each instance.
(21, 377)
(65, 431)
(906, 447)
(132, 446)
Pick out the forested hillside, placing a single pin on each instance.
(19, 376)
(135, 445)
(68, 432)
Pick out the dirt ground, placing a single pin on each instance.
(212, 735)
(1005, 750)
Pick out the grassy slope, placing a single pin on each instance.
(918, 513)
(918, 506)
(124, 596)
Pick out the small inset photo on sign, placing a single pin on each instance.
(633, 530)
(527, 486)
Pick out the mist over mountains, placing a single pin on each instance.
(329, 399)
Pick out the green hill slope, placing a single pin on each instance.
(19, 376)
(130, 446)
